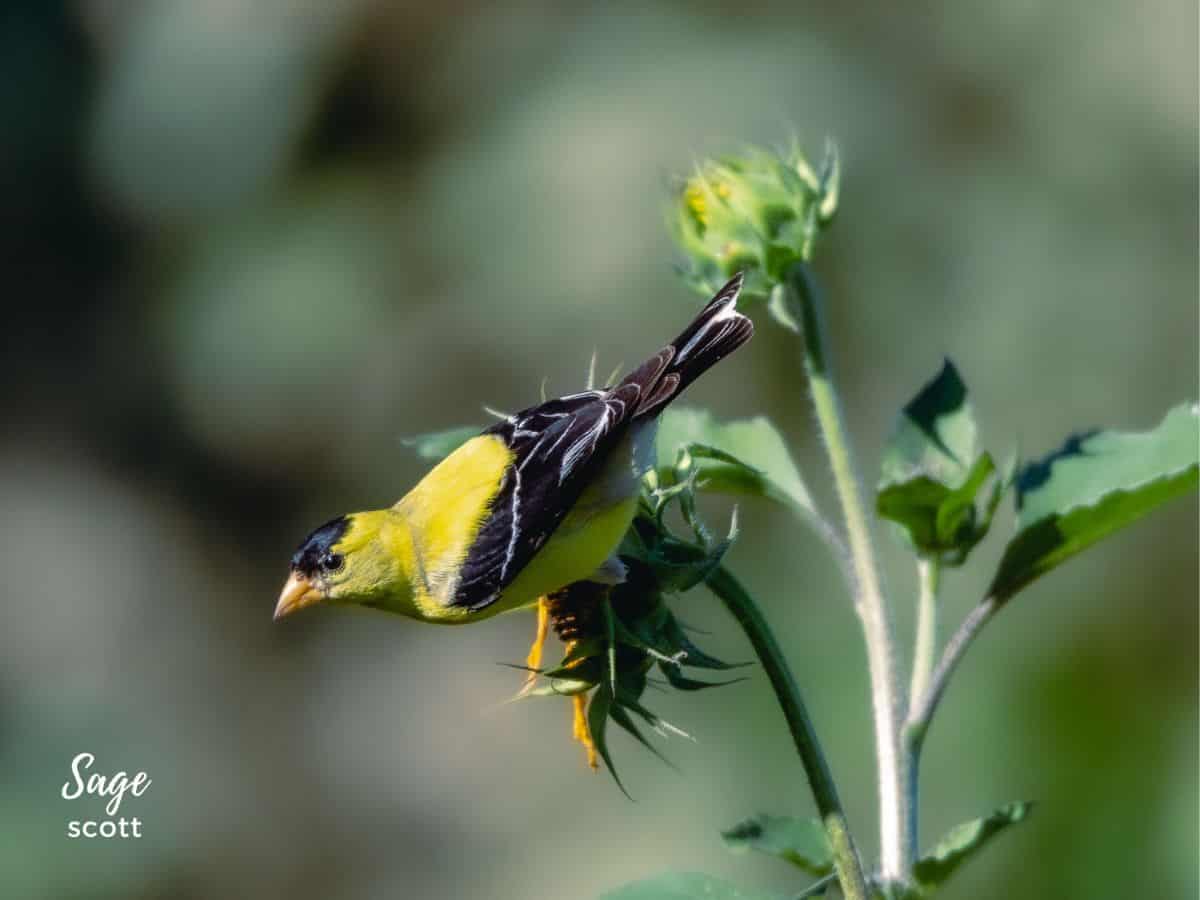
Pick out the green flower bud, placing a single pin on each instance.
(614, 636)
(756, 214)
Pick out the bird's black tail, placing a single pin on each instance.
(716, 332)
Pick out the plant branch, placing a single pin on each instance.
(828, 534)
(925, 647)
(921, 713)
(743, 608)
(869, 599)
(924, 704)
(924, 651)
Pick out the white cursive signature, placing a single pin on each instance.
(114, 786)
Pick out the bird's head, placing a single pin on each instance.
(345, 561)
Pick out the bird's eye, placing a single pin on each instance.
(331, 562)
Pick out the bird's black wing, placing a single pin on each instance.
(557, 447)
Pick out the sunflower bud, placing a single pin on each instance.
(614, 637)
(757, 214)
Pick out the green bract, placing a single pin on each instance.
(757, 213)
(621, 633)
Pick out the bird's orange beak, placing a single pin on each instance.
(298, 593)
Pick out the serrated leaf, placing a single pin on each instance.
(684, 886)
(1094, 485)
(764, 467)
(802, 842)
(437, 445)
(963, 841)
(932, 474)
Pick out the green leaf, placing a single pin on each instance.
(1094, 485)
(683, 886)
(437, 445)
(933, 475)
(753, 459)
(935, 434)
(802, 842)
(963, 841)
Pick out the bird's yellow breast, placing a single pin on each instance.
(440, 517)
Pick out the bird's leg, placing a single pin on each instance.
(534, 660)
(579, 727)
(582, 732)
(567, 611)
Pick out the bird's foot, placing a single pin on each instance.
(533, 661)
(581, 731)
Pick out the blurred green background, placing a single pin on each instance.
(248, 246)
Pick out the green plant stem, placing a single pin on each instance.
(917, 723)
(869, 599)
(743, 608)
(816, 889)
(924, 704)
(924, 652)
(929, 573)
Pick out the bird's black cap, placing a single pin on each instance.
(307, 557)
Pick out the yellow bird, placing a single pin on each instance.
(538, 501)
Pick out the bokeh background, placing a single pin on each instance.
(248, 246)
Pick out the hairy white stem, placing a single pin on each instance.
(869, 597)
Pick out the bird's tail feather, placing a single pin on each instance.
(716, 332)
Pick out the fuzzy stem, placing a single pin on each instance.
(743, 608)
(924, 704)
(869, 599)
(925, 647)
(923, 708)
(924, 651)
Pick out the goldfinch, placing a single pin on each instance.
(538, 501)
